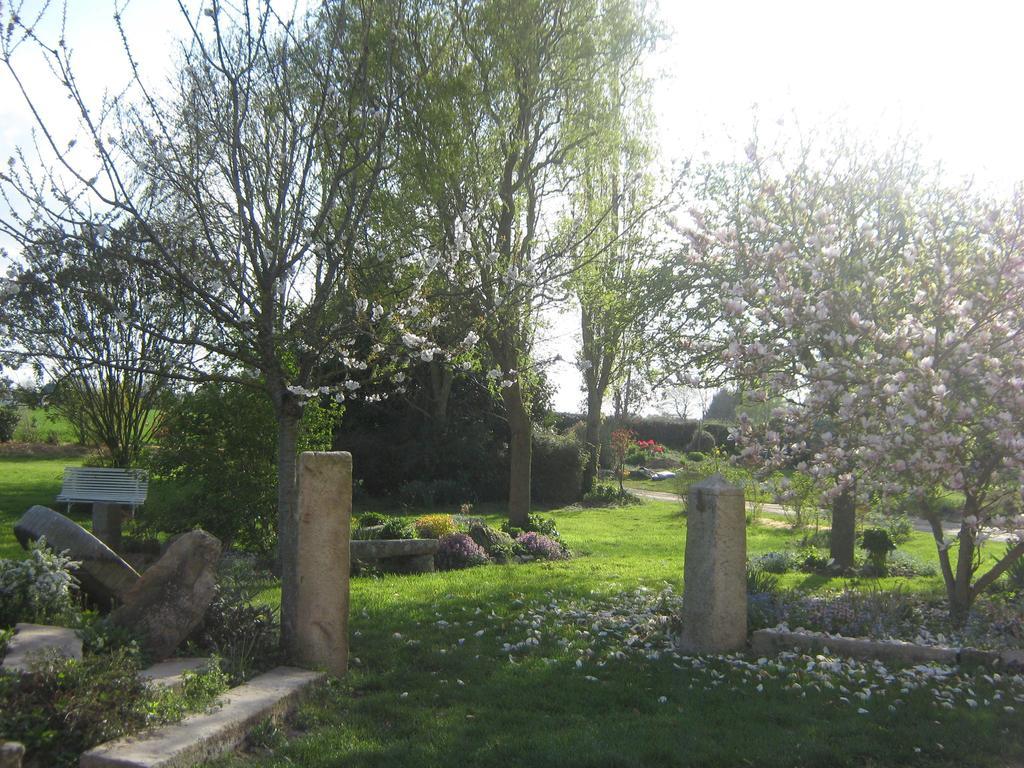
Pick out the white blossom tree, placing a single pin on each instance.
(890, 332)
(270, 158)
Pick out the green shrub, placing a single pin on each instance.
(216, 467)
(100, 635)
(9, 418)
(702, 441)
(434, 526)
(775, 562)
(39, 589)
(534, 524)
(695, 456)
(68, 706)
(1015, 573)
(244, 635)
(878, 544)
(431, 493)
(556, 469)
(368, 519)
(760, 581)
(604, 495)
(397, 528)
(901, 564)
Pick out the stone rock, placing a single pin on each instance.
(11, 753)
(771, 642)
(715, 580)
(394, 555)
(103, 574)
(489, 538)
(324, 516)
(33, 640)
(169, 600)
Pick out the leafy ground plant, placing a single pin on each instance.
(68, 706)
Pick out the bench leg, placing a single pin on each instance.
(106, 523)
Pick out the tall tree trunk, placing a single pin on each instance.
(289, 412)
(843, 539)
(593, 439)
(520, 455)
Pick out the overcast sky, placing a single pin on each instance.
(948, 72)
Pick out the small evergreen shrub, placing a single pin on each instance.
(556, 469)
(539, 546)
(397, 528)
(604, 495)
(434, 526)
(878, 544)
(39, 589)
(702, 441)
(9, 418)
(534, 524)
(695, 456)
(458, 550)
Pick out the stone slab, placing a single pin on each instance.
(170, 673)
(104, 575)
(376, 549)
(714, 610)
(324, 517)
(1013, 659)
(206, 735)
(770, 642)
(33, 640)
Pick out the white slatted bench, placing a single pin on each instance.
(95, 485)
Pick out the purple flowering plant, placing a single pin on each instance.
(541, 547)
(458, 550)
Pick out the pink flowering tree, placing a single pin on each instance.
(801, 244)
(887, 323)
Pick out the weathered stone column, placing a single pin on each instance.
(715, 579)
(106, 523)
(324, 516)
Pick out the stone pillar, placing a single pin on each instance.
(715, 577)
(11, 753)
(324, 516)
(106, 523)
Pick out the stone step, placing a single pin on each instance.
(206, 735)
(33, 640)
(171, 673)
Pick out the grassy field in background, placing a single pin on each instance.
(28, 481)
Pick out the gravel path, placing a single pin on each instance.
(949, 528)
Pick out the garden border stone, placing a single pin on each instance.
(33, 640)
(206, 735)
(771, 642)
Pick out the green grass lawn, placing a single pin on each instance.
(433, 681)
(44, 425)
(28, 481)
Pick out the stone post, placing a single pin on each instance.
(715, 578)
(106, 523)
(324, 516)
